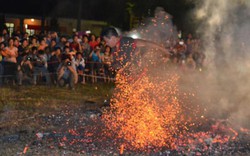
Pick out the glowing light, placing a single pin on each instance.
(135, 36)
(88, 32)
(32, 19)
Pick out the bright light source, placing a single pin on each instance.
(32, 19)
(88, 32)
(135, 36)
(26, 26)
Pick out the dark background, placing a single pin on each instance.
(112, 11)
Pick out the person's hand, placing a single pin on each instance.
(18, 68)
(53, 53)
(27, 62)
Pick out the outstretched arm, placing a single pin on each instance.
(148, 44)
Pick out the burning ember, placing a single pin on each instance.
(151, 114)
(145, 113)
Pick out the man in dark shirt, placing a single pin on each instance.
(127, 51)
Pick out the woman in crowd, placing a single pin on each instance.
(10, 54)
(95, 64)
(107, 60)
(93, 43)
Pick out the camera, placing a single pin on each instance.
(181, 42)
(68, 63)
(29, 58)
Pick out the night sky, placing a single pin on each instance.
(112, 11)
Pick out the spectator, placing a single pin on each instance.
(24, 47)
(16, 41)
(6, 35)
(62, 42)
(66, 72)
(86, 52)
(48, 39)
(2, 46)
(34, 42)
(92, 43)
(25, 36)
(52, 45)
(85, 47)
(40, 66)
(1, 73)
(75, 45)
(95, 65)
(107, 59)
(80, 66)
(54, 36)
(42, 44)
(98, 40)
(180, 50)
(25, 70)
(1, 38)
(10, 54)
(66, 50)
(53, 63)
(17, 33)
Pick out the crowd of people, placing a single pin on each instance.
(53, 59)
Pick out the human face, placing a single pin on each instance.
(107, 49)
(79, 56)
(11, 42)
(92, 37)
(110, 41)
(75, 39)
(85, 39)
(43, 42)
(16, 43)
(25, 43)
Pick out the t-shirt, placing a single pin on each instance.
(12, 52)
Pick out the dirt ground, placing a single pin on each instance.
(57, 121)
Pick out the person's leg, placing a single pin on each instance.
(12, 72)
(6, 72)
(1, 74)
(81, 69)
(61, 82)
(14, 78)
(93, 71)
(35, 74)
(97, 69)
(46, 74)
(71, 81)
(20, 77)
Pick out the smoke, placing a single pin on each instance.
(225, 29)
(159, 29)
